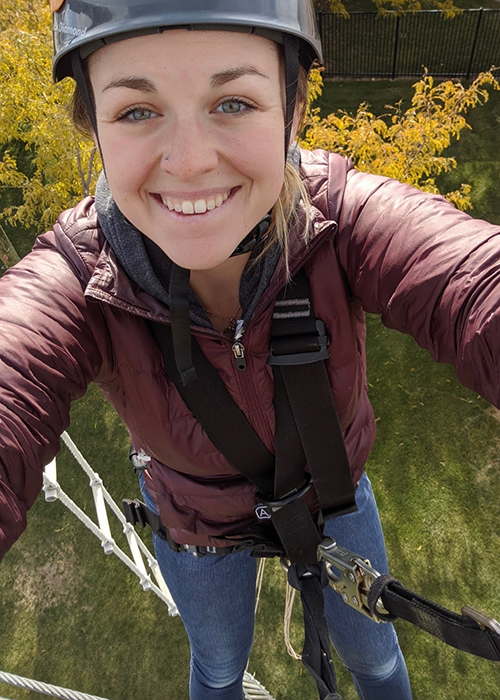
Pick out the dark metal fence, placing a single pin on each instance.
(399, 46)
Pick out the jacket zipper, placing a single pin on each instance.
(239, 355)
(238, 348)
(246, 384)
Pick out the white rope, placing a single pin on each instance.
(54, 691)
(259, 581)
(289, 600)
(253, 690)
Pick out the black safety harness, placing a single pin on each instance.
(310, 463)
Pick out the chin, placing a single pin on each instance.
(196, 260)
(201, 256)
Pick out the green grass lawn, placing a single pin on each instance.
(72, 616)
(369, 5)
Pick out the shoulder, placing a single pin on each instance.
(325, 176)
(341, 192)
(76, 236)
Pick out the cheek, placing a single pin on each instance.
(126, 163)
(121, 147)
(259, 154)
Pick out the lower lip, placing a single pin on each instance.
(194, 217)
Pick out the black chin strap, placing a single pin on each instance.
(291, 83)
(84, 89)
(257, 235)
(179, 304)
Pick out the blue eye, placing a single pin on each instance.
(138, 114)
(234, 106)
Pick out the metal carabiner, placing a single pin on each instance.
(354, 578)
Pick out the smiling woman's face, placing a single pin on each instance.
(191, 127)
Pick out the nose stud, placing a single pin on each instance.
(165, 157)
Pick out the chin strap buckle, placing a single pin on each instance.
(352, 576)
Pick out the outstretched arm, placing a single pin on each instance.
(48, 355)
(430, 270)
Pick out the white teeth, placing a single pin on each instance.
(199, 206)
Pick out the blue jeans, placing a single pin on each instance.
(215, 597)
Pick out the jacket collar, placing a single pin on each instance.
(111, 284)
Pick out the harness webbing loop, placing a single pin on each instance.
(179, 315)
(310, 581)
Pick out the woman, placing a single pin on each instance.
(195, 112)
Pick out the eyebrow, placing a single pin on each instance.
(225, 76)
(133, 83)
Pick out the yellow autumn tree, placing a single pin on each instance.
(40, 153)
(404, 144)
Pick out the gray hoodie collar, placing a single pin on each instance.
(147, 265)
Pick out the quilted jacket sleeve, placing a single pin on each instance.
(430, 270)
(48, 355)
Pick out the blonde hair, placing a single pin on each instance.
(284, 214)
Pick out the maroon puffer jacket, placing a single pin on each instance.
(69, 315)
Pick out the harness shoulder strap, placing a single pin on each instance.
(298, 350)
(222, 419)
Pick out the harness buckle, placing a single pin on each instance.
(192, 549)
(351, 576)
(320, 342)
(133, 510)
(265, 508)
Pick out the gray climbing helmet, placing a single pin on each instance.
(87, 25)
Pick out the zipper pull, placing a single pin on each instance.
(239, 355)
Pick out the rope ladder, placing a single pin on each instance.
(136, 560)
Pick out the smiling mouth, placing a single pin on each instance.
(196, 206)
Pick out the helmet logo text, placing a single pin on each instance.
(66, 29)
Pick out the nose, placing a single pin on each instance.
(189, 150)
